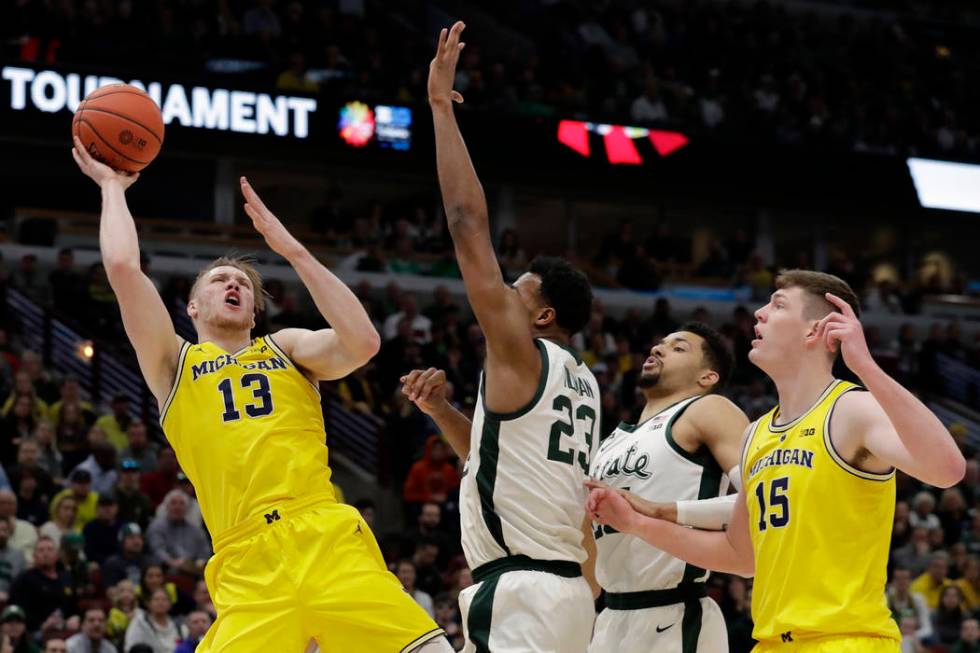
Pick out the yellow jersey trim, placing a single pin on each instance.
(181, 357)
(278, 350)
(753, 429)
(832, 451)
(774, 428)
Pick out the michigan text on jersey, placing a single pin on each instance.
(800, 457)
(215, 364)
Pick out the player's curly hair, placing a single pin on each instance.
(566, 289)
(245, 264)
(717, 355)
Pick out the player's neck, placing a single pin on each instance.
(230, 341)
(656, 402)
(555, 335)
(798, 390)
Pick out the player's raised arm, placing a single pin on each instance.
(892, 424)
(352, 339)
(497, 307)
(729, 551)
(427, 390)
(145, 318)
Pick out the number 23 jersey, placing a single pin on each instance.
(820, 530)
(522, 491)
(247, 428)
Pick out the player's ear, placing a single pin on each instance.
(192, 309)
(708, 378)
(813, 336)
(545, 316)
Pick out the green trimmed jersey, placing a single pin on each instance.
(522, 491)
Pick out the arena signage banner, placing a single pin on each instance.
(220, 109)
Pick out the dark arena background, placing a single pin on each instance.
(680, 152)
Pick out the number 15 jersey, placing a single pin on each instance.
(247, 429)
(522, 491)
(820, 530)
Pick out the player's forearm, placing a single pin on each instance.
(455, 427)
(462, 193)
(338, 305)
(706, 549)
(940, 462)
(118, 241)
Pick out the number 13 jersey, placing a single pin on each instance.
(820, 530)
(247, 429)
(522, 491)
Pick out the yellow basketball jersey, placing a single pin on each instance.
(820, 530)
(247, 429)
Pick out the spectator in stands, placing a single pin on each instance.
(915, 555)
(932, 583)
(152, 579)
(970, 485)
(736, 606)
(420, 327)
(29, 461)
(949, 616)
(952, 513)
(101, 466)
(156, 484)
(124, 608)
(64, 513)
(71, 393)
(405, 570)
(186, 488)
(102, 533)
(923, 507)
(198, 623)
(181, 545)
(154, 627)
(448, 618)
(71, 432)
(50, 458)
(969, 641)
(904, 602)
(43, 589)
(139, 447)
(32, 507)
(116, 424)
(44, 387)
(428, 527)
(134, 506)
(132, 558)
(972, 537)
(428, 578)
(23, 536)
(16, 426)
(202, 599)
(66, 284)
(969, 583)
(432, 477)
(14, 629)
(911, 641)
(12, 561)
(55, 645)
(92, 639)
(80, 489)
(29, 280)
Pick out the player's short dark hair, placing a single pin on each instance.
(566, 289)
(715, 351)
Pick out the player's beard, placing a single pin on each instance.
(650, 380)
(218, 319)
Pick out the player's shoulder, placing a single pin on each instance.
(713, 407)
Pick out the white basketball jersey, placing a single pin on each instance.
(522, 491)
(644, 459)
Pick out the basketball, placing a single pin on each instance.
(121, 126)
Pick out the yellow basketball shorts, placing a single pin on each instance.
(843, 644)
(309, 571)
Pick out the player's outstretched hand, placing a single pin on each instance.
(843, 330)
(654, 509)
(97, 171)
(426, 389)
(442, 70)
(266, 223)
(606, 506)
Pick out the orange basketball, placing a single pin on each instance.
(121, 126)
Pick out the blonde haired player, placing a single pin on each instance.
(814, 515)
(243, 416)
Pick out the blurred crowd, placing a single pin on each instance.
(880, 78)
